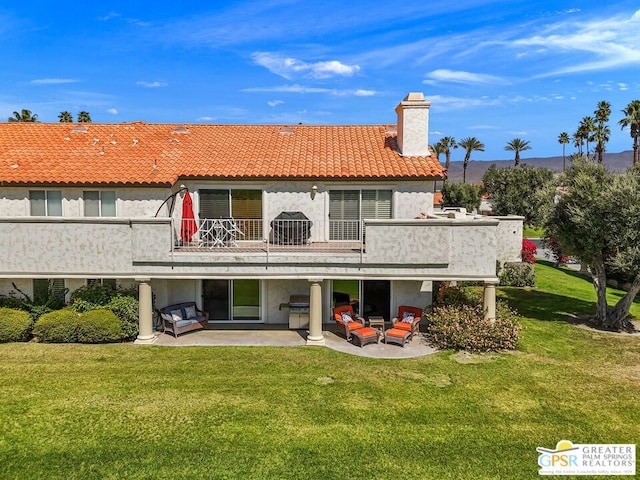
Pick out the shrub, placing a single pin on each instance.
(555, 251)
(518, 274)
(59, 326)
(461, 195)
(126, 308)
(95, 294)
(456, 295)
(99, 326)
(11, 302)
(15, 325)
(463, 327)
(529, 251)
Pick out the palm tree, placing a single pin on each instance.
(586, 129)
(437, 149)
(632, 120)
(578, 141)
(65, 117)
(24, 116)
(601, 136)
(517, 145)
(447, 143)
(601, 131)
(563, 139)
(470, 144)
(84, 117)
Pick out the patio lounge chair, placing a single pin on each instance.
(408, 319)
(346, 320)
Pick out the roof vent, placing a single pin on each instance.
(180, 130)
(79, 129)
(286, 130)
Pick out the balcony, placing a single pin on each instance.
(137, 247)
(230, 235)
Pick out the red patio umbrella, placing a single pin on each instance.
(188, 225)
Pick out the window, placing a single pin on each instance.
(348, 207)
(45, 203)
(245, 206)
(99, 203)
(49, 291)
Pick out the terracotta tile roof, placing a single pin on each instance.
(141, 153)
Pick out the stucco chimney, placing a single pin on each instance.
(413, 125)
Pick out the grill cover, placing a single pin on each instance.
(291, 228)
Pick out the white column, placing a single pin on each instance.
(490, 301)
(315, 336)
(145, 312)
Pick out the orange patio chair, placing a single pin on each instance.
(408, 319)
(346, 320)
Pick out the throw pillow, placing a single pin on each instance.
(408, 317)
(190, 312)
(346, 317)
(176, 314)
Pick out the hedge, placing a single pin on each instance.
(99, 326)
(59, 326)
(15, 325)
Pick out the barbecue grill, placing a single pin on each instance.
(291, 228)
(298, 311)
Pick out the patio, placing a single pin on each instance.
(418, 347)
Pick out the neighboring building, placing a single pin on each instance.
(103, 202)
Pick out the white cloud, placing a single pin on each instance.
(605, 43)
(287, 67)
(155, 84)
(365, 93)
(295, 88)
(204, 119)
(52, 81)
(109, 16)
(456, 103)
(274, 103)
(623, 86)
(457, 76)
(112, 111)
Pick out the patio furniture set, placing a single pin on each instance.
(403, 327)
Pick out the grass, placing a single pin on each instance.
(123, 411)
(533, 232)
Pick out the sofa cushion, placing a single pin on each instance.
(346, 317)
(403, 326)
(408, 317)
(176, 314)
(190, 311)
(184, 323)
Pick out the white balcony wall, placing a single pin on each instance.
(130, 201)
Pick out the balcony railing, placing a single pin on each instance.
(230, 233)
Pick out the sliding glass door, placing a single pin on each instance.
(232, 300)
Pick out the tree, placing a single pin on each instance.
(517, 145)
(84, 117)
(447, 143)
(24, 116)
(585, 130)
(597, 219)
(578, 141)
(470, 144)
(65, 117)
(513, 191)
(437, 149)
(461, 195)
(601, 130)
(563, 139)
(632, 120)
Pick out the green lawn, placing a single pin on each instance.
(123, 411)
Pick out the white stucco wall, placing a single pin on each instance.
(509, 239)
(409, 293)
(130, 201)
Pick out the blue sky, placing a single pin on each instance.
(493, 70)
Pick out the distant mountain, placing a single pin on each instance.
(616, 162)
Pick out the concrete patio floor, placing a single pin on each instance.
(293, 338)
